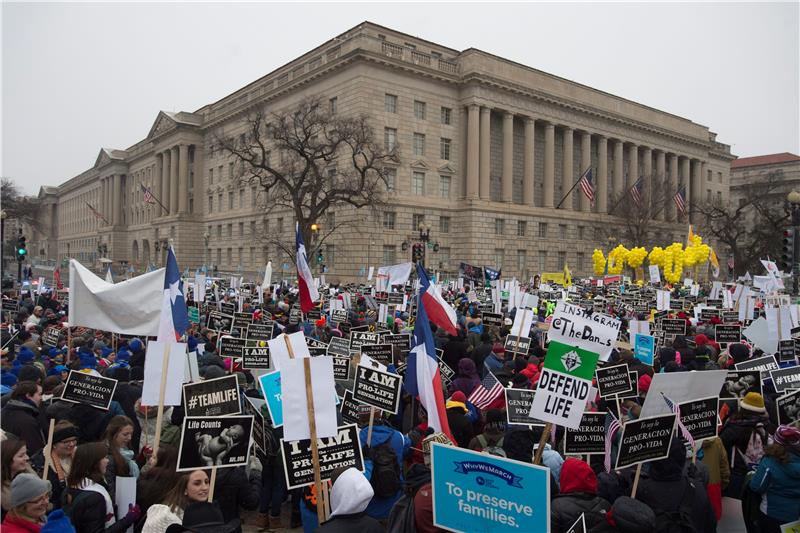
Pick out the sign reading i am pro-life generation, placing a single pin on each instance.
(378, 389)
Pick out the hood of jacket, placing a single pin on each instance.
(351, 493)
(22, 406)
(577, 476)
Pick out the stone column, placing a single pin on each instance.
(117, 200)
(673, 187)
(647, 173)
(527, 181)
(602, 175)
(685, 180)
(586, 162)
(485, 186)
(165, 182)
(473, 161)
(508, 157)
(633, 166)
(619, 181)
(567, 172)
(157, 187)
(101, 203)
(663, 185)
(697, 193)
(549, 165)
(183, 178)
(173, 180)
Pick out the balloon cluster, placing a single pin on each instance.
(635, 257)
(616, 259)
(696, 253)
(598, 262)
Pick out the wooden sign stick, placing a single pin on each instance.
(636, 480)
(369, 427)
(161, 390)
(537, 458)
(212, 483)
(48, 449)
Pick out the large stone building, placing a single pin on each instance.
(488, 149)
(752, 170)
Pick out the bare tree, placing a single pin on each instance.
(637, 216)
(310, 162)
(18, 206)
(750, 229)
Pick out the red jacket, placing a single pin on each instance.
(14, 524)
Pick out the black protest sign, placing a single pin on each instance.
(381, 353)
(378, 389)
(258, 421)
(634, 391)
(341, 368)
(316, 351)
(444, 369)
(764, 364)
(613, 380)
(338, 347)
(786, 350)
(340, 451)
(294, 316)
(700, 417)
(674, 326)
(351, 409)
(788, 407)
(361, 338)
(88, 389)
(645, 439)
(707, 313)
(239, 326)
(492, 319)
(11, 306)
(727, 333)
(579, 526)
(518, 407)
(403, 340)
(231, 346)
(229, 308)
(589, 438)
(517, 344)
(314, 343)
(259, 332)
(255, 357)
(338, 315)
(786, 378)
(215, 397)
(219, 321)
(395, 298)
(221, 441)
(740, 382)
(730, 317)
(50, 336)
(245, 316)
(314, 314)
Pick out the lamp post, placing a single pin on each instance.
(794, 205)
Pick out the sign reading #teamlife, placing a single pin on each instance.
(271, 389)
(700, 417)
(589, 438)
(340, 451)
(644, 348)
(479, 492)
(727, 333)
(221, 441)
(595, 332)
(255, 357)
(786, 378)
(613, 380)
(764, 364)
(492, 319)
(378, 389)
(518, 407)
(674, 326)
(214, 397)
(645, 439)
(88, 389)
(517, 344)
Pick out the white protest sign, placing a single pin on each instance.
(779, 320)
(522, 322)
(716, 288)
(125, 491)
(639, 326)
(681, 387)
(655, 275)
(279, 353)
(758, 332)
(371, 272)
(153, 363)
(295, 405)
(662, 300)
(597, 333)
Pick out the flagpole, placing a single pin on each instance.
(573, 187)
(154, 197)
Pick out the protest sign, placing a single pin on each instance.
(564, 385)
(259, 332)
(11, 306)
(279, 348)
(338, 315)
(271, 389)
(214, 397)
(446, 372)
(740, 382)
(231, 346)
(239, 326)
(655, 275)
(351, 409)
(764, 364)
(788, 407)
(644, 348)
(228, 308)
(158, 355)
(786, 378)
(597, 333)
(252, 406)
(680, 387)
(297, 375)
(612, 380)
(674, 326)
(518, 407)
(580, 524)
(342, 450)
(341, 368)
(360, 338)
(403, 340)
(589, 437)
(50, 337)
(314, 343)
(219, 321)
(255, 357)
(222, 442)
(517, 344)
(381, 353)
(727, 333)
(786, 350)
(338, 347)
(492, 319)
(88, 389)
(700, 417)
(645, 439)
(377, 388)
(194, 314)
(478, 492)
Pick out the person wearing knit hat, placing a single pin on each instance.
(458, 419)
(28, 502)
(777, 479)
(753, 401)
(644, 384)
(65, 439)
(743, 434)
(578, 495)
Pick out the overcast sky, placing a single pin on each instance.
(78, 77)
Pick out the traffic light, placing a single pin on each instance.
(320, 258)
(787, 250)
(22, 252)
(417, 252)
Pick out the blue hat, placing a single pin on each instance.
(57, 522)
(87, 360)
(54, 372)
(123, 355)
(62, 368)
(135, 345)
(53, 352)
(4, 390)
(25, 355)
(105, 352)
(8, 379)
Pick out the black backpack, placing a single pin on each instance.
(679, 520)
(385, 479)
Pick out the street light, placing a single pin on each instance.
(793, 200)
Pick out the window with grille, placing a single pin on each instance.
(389, 218)
(499, 226)
(499, 254)
(332, 105)
(542, 260)
(521, 260)
(444, 224)
(521, 227)
(444, 186)
(390, 174)
(390, 103)
(418, 183)
(389, 139)
(444, 149)
(419, 144)
(416, 220)
(389, 254)
(562, 231)
(542, 230)
(419, 110)
(446, 115)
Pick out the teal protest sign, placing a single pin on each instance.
(644, 347)
(475, 492)
(271, 389)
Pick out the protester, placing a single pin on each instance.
(118, 435)
(236, 490)
(204, 517)
(14, 455)
(20, 416)
(458, 419)
(65, 440)
(745, 434)
(350, 495)
(157, 479)
(27, 502)
(578, 495)
(713, 456)
(383, 464)
(190, 487)
(777, 479)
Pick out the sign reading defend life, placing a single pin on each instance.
(564, 385)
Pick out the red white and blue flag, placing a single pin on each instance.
(439, 312)
(636, 192)
(305, 280)
(174, 316)
(613, 427)
(148, 194)
(486, 392)
(586, 185)
(676, 408)
(422, 373)
(680, 200)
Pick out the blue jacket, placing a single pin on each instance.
(779, 485)
(379, 508)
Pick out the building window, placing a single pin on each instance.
(389, 218)
(542, 260)
(447, 115)
(719, 177)
(419, 110)
(719, 197)
(522, 226)
(419, 144)
(219, 231)
(562, 231)
(389, 254)
(444, 186)
(389, 139)
(499, 257)
(229, 230)
(219, 202)
(241, 198)
(708, 195)
(390, 173)
(542, 230)
(229, 256)
(330, 219)
(390, 103)
(416, 220)
(499, 226)
(280, 226)
(210, 204)
(230, 170)
(210, 176)
(330, 255)
(444, 224)
(219, 257)
(332, 105)
(241, 229)
(252, 227)
(522, 260)
(581, 259)
(444, 257)
(230, 199)
(580, 233)
(418, 183)
(562, 260)
(253, 196)
(444, 149)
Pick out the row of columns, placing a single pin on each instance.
(479, 166)
(172, 180)
(111, 199)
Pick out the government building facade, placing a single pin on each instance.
(487, 150)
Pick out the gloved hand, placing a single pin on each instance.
(134, 513)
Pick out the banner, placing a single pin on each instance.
(470, 272)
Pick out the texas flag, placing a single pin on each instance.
(439, 311)
(174, 316)
(422, 373)
(305, 281)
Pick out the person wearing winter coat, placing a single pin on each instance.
(493, 432)
(379, 507)
(20, 415)
(578, 496)
(777, 479)
(234, 490)
(466, 378)
(28, 504)
(751, 421)
(65, 439)
(712, 455)
(457, 419)
(351, 493)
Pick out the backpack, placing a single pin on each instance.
(401, 517)
(754, 452)
(679, 520)
(496, 449)
(385, 479)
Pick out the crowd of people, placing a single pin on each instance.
(753, 462)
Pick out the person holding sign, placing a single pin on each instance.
(384, 453)
(778, 481)
(191, 487)
(350, 495)
(577, 495)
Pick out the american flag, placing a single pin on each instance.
(680, 200)
(636, 192)
(96, 213)
(148, 194)
(676, 408)
(612, 429)
(586, 184)
(487, 392)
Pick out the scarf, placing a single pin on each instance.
(60, 466)
(88, 484)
